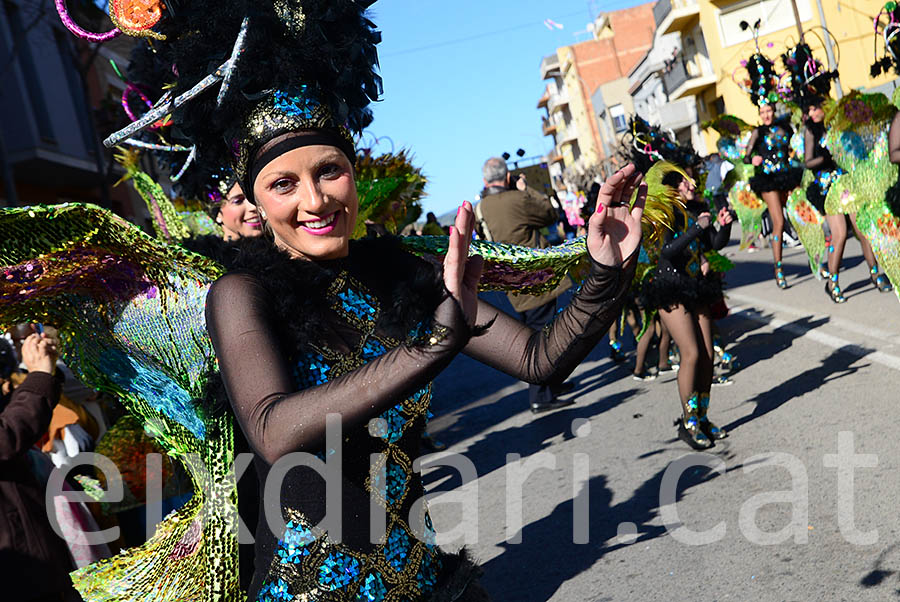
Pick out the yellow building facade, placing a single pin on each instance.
(713, 46)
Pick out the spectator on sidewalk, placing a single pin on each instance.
(515, 214)
(34, 561)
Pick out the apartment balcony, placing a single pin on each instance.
(675, 15)
(558, 102)
(678, 114)
(567, 135)
(550, 128)
(549, 66)
(554, 157)
(545, 99)
(688, 78)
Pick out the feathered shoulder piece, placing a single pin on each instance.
(409, 287)
(663, 204)
(857, 109)
(728, 126)
(390, 190)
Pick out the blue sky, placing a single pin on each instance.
(462, 81)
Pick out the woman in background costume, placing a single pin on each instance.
(682, 288)
(769, 151)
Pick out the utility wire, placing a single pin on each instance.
(477, 36)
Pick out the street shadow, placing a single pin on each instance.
(489, 453)
(837, 365)
(547, 550)
(765, 345)
(878, 574)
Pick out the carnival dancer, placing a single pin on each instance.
(306, 324)
(682, 289)
(768, 149)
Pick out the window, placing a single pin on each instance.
(29, 72)
(720, 106)
(67, 55)
(617, 114)
(774, 14)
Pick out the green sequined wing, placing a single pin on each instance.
(882, 229)
(807, 222)
(748, 207)
(130, 313)
(512, 268)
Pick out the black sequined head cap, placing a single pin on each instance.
(280, 112)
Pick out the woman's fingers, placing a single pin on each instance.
(474, 267)
(452, 276)
(637, 211)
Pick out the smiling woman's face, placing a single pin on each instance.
(308, 196)
(238, 217)
(767, 114)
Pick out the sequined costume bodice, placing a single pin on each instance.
(303, 566)
(683, 249)
(774, 146)
(301, 343)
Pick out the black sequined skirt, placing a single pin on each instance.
(665, 290)
(785, 180)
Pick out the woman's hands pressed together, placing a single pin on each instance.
(461, 272)
(614, 231)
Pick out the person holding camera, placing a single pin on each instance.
(511, 212)
(35, 561)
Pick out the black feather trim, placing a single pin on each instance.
(665, 290)
(785, 180)
(407, 287)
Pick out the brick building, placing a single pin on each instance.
(586, 97)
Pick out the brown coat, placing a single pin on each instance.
(516, 217)
(34, 561)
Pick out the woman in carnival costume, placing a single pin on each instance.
(881, 219)
(810, 85)
(682, 288)
(768, 150)
(679, 284)
(307, 324)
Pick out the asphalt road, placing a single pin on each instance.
(781, 518)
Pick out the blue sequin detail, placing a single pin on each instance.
(372, 589)
(854, 143)
(339, 570)
(311, 370)
(396, 482)
(161, 392)
(297, 105)
(427, 575)
(276, 591)
(394, 422)
(295, 544)
(373, 349)
(360, 305)
(396, 550)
